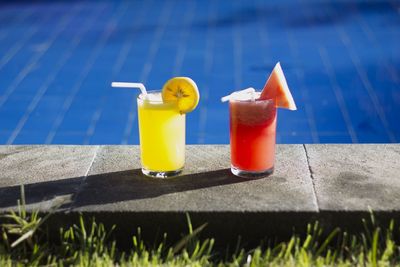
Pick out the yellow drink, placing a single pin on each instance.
(162, 136)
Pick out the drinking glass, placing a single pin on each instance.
(252, 137)
(162, 136)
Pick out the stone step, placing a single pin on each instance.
(335, 184)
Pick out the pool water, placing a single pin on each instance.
(57, 60)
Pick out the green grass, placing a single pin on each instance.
(24, 242)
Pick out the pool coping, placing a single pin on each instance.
(336, 184)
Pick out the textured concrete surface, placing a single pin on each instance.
(49, 173)
(108, 178)
(356, 177)
(115, 182)
(335, 184)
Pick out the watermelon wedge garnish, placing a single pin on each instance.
(276, 88)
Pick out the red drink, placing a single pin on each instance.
(253, 125)
(252, 137)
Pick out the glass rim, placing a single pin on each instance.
(140, 96)
(250, 100)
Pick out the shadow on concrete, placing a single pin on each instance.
(132, 184)
(39, 192)
(113, 187)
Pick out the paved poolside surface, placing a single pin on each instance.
(57, 60)
(336, 185)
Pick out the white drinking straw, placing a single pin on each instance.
(245, 91)
(130, 85)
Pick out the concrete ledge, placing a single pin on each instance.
(336, 184)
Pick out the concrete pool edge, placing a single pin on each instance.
(335, 184)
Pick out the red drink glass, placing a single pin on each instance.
(252, 137)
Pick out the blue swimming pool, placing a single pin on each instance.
(57, 60)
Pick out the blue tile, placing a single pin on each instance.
(26, 138)
(106, 138)
(335, 139)
(76, 120)
(295, 138)
(4, 137)
(69, 138)
(264, 32)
